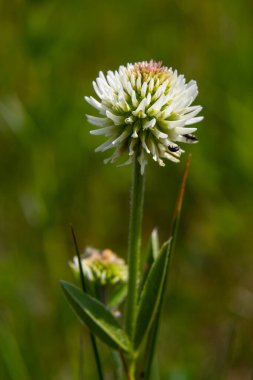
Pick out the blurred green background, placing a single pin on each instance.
(51, 50)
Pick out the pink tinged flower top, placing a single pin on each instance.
(146, 110)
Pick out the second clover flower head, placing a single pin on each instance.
(146, 110)
(101, 267)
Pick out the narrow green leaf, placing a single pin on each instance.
(152, 254)
(87, 290)
(97, 317)
(151, 294)
(152, 337)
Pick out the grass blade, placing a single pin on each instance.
(152, 254)
(151, 294)
(152, 338)
(92, 338)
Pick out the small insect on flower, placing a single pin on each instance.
(101, 267)
(146, 110)
(173, 149)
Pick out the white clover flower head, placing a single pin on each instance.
(146, 110)
(101, 267)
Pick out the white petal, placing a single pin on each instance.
(194, 120)
(131, 147)
(151, 85)
(160, 90)
(136, 129)
(184, 131)
(182, 103)
(94, 103)
(132, 80)
(158, 134)
(112, 158)
(190, 112)
(171, 123)
(186, 139)
(138, 83)
(130, 120)
(155, 108)
(144, 89)
(123, 104)
(122, 136)
(97, 90)
(142, 161)
(134, 99)
(160, 162)
(101, 75)
(167, 112)
(107, 131)
(143, 143)
(139, 112)
(151, 146)
(127, 162)
(129, 88)
(98, 121)
(111, 79)
(118, 120)
(103, 84)
(124, 81)
(170, 157)
(148, 97)
(156, 84)
(149, 123)
(106, 145)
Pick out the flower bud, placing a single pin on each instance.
(101, 267)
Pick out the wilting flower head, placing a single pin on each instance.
(146, 110)
(101, 267)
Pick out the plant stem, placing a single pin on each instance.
(132, 370)
(136, 207)
(124, 363)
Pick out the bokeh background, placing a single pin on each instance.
(51, 50)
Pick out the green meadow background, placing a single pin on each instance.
(51, 50)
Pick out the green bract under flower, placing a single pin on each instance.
(146, 110)
(101, 267)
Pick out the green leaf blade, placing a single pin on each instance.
(152, 338)
(97, 317)
(151, 294)
(152, 254)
